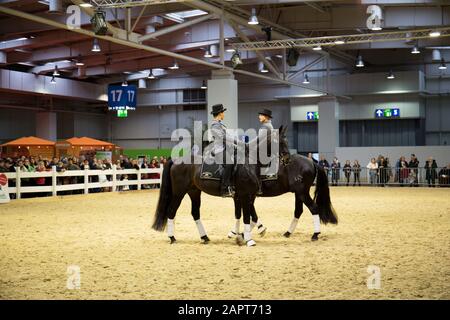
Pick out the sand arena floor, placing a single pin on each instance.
(403, 231)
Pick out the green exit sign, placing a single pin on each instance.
(387, 113)
(122, 113)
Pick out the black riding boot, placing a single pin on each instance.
(226, 187)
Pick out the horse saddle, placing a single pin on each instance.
(266, 174)
(211, 171)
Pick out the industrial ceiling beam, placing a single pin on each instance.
(404, 35)
(309, 65)
(175, 27)
(135, 45)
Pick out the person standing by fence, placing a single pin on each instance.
(356, 172)
(414, 171)
(430, 171)
(335, 171)
(347, 171)
(373, 171)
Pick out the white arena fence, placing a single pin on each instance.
(111, 178)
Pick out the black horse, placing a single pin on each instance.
(296, 174)
(181, 179)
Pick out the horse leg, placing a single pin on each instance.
(237, 214)
(297, 213)
(172, 211)
(246, 203)
(195, 196)
(255, 221)
(312, 206)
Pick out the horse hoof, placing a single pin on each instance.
(172, 240)
(251, 243)
(205, 239)
(239, 240)
(315, 236)
(287, 234)
(231, 234)
(262, 231)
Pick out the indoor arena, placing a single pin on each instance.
(224, 150)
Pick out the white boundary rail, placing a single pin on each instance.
(113, 182)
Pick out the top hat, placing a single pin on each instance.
(266, 112)
(217, 108)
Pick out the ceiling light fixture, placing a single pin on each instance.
(359, 62)
(56, 72)
(306, 79)
(96, 46)
(415, 50)
(174, 66)
(253, 20)
(390, 75)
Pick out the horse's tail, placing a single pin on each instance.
(322, 198)
(165, 195)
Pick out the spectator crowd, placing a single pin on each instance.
(381, 171)
(39, 164)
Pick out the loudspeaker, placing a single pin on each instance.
(292, 57)
(99, 23)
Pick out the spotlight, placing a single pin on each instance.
(339, 41)
(359, 62)
(56, 72)
(306, 79)
(317, 48)
(174, 66)
(125, 84)
(236, 59)
(443, 66)
(98, 21)
(79, 63)
(262, 67)
(253, 20)
(230, 49)
(435, 34)
(204, 87)
(85, 5)
(390, 75)
(96, 46)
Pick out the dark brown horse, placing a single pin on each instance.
(296, 174)
(181, 179)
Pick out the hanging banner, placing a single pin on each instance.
(4, 194)
(102, 155)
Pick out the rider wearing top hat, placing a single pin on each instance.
(265, 118)
(222, 139)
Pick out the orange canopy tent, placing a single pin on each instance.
(84, 146)
(28, 146)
